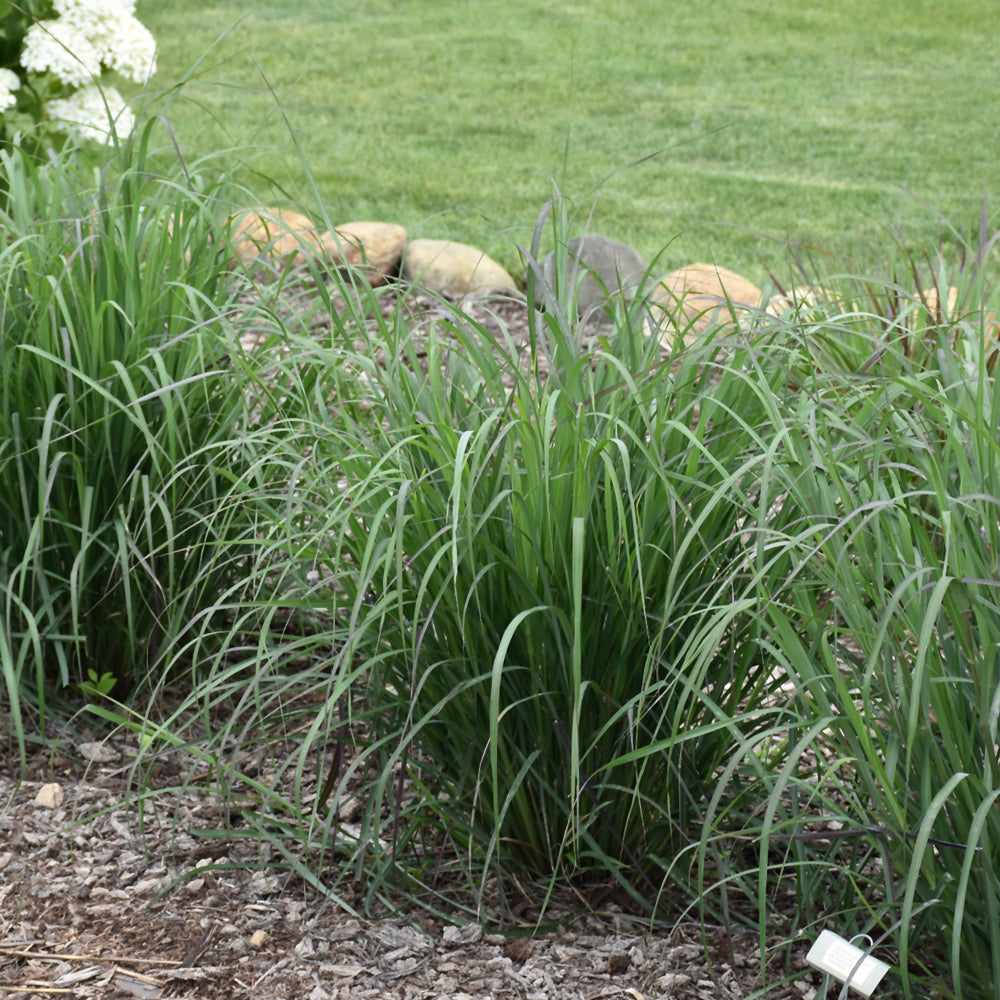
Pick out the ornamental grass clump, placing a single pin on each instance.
(903, 677)
(884, 811)
(132, 481)
(557, 586)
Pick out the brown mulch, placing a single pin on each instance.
(501, 314)
(95, 904)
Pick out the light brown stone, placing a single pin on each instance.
(698, 298)
(803, 297)
(275, 235)
(49, 796)
(376, 246)
(931, 299)
(454, 269)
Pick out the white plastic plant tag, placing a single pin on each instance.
(846, 962)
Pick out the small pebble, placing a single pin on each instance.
(99, 753)
(49, 796)
(618, 963)
(519, 949)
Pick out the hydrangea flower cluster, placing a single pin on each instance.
(9, 82)
(85, 38)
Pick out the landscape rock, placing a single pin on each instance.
(377, 246)
(453, 269)
(698, 298)
(801, 298)
(931, 299)
(949, 313)
(609, 268)
(276, 236)
(49, 796)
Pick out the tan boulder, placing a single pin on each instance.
(802, 298)
(699, 298)
(454, 269)
(376, 246)
(931, 300)
(274, 235)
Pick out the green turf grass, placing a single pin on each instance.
(814, 123)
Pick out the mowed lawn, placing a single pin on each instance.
(722, 129)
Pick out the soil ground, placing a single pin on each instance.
(95, 904)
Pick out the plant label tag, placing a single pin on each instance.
(846, 962)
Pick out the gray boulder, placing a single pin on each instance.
(609, 268)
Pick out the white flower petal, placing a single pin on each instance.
(93, 13)
(61, 49)
(9, 82)
(86, 113)
(128, 47)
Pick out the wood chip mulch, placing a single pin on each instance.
(95, 903)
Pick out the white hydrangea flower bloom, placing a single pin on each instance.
(93, 13)
(86, 38)
(63, 49)
(85, 113)
(9, 82)
(128, 47)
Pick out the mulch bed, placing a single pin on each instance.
(94, 903)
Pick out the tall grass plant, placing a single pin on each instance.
(133, 464)
(883, 813)
(556, 583)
